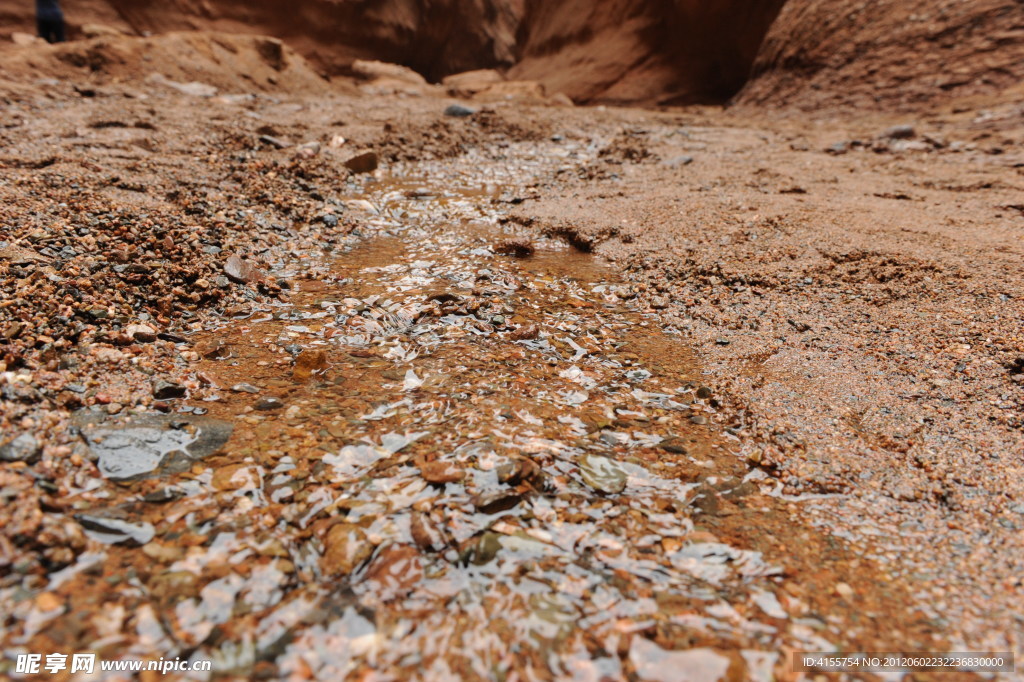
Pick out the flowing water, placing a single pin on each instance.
(456, 454)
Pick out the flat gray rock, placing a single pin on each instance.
(141, 446)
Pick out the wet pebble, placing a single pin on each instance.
(211, 349)
(242, 271)
(654, 664)
(525, 332)
(269, 403)
(346, 547)
(496, 500)
(674, 444)
(362, 163)
(116, 531)
(426, 533)
(602, 474)
(439, 473)
(308, 363)
(141, 332)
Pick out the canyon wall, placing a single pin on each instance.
(804, 53)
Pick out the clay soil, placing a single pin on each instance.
(797, 421)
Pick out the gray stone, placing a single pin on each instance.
(274, 142)
(24, 448)
(679, 161)
(459, 111)
(167, 390)
(135, 448)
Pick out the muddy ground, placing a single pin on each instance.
(586, 392)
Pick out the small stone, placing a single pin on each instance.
(440, 473)
(395, 571)
(496, 501)
(24, 448)
(345, 549)
(679, 161)
(722, 341)
(517, 471)
(48, 601)
(245, 388)
(167, 390)
(704, 393)
(899, 132)
(275, 142)
(18, 255)
(673, 444)
(739, 491)
(308, 149)
(362, 163)
(116, 531)
(211, 349)
(269, 403)
(659, 302)
(844, 591)
(242, 271)
(602, 474)
(141, 332)
(232, 477)
(525, 332)
(308, 363)
(459, 111)
(163, 553)
(13, 330)
(699, 419)
(425, 533)
(166, 494)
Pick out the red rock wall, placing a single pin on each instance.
(646, 51)
(876, 53)
(888, 53)
(435, 37)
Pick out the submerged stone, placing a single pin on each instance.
(602, 474)
(116, 531)
(138, 447)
